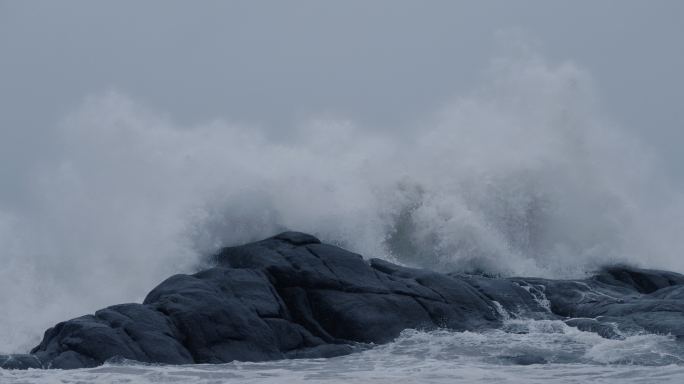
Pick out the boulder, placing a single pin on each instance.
(290, 296)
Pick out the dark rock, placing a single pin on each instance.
(337, 296)
(367, 317)
(640, 280)
(298, 303)
(220, 314)
(290, 296)
(629, 301)
(133, 331)
(20, 361)
(513, 298)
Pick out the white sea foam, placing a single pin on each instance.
(538, 295)
(521, 176)
(429, 357)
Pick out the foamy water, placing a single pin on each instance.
(429, 357)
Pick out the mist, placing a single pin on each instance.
(523, 174)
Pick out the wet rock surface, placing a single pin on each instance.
(290, 296)
(637, 301)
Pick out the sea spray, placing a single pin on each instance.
(522, 176)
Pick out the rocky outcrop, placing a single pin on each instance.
(618, 302)
(290, 296)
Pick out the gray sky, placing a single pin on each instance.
(382, 64)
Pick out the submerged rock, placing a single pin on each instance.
(527, 360)
(290, 296)
(19, 361)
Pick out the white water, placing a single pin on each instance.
(434, 357)
(522, 176)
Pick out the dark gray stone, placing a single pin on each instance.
(20, 361)
(367, 317)
(290, 296)
(133, 331)
(514, 299)
(628, 301)
(640, 280)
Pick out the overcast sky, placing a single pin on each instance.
(381, 64)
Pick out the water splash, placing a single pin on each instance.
(521, 176)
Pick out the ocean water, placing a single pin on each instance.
(571, 356)
(524, 175)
